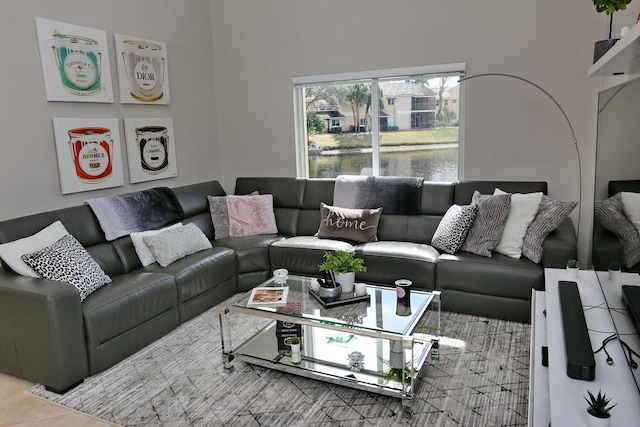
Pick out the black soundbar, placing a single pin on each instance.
(581, 365)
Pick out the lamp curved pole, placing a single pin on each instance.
(566, 118)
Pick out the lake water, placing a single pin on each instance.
(440, 164)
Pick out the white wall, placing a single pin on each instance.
(512, 131)
(231, 64)
(28, 166)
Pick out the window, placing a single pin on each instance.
(408, 131)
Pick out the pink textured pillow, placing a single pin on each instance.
(251, 215)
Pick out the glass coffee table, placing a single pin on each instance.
(372, 345)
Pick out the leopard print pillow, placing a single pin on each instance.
(67, 261)
(453, 228)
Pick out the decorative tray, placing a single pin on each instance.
(345, 298)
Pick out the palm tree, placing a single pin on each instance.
(358, 96)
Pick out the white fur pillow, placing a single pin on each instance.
(523, 210)
(145, 255)
(12, 252)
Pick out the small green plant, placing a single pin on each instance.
(615, 266)
(598, 404)
(342, 262)
(610, 7)
(294, 340)
(572, 263)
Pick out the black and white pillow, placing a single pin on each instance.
(610, 214)
(67, 261)
(453, 228)
(549, 217)
(486, 231)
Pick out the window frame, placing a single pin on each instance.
(371, 76)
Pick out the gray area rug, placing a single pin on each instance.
(480, 379)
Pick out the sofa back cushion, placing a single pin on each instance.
(463, 192)
(79, 221)
(288, 195)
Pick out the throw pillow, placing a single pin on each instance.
(172, 245)
(453, 228)
(358, 225)
(610, 214)
(12, 252)
(67, 261)
(219, 216)
(522, 211)
(631, 207)
(550, 215)
(251, 215)
(145, 255)
(486, 231)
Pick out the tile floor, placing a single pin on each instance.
(17, 409)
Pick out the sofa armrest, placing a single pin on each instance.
(560, 246)
(42, 331)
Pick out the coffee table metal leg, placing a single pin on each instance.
(225, 339)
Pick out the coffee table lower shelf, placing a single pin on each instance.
(324, 357)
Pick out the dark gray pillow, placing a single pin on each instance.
(486, 231)
(453, 228)
(219, 216)
(610, 214)
(358, 225)
(550, 215)
(67, 261)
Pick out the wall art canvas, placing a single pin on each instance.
(89, 154)
(142, 70)
(75, 62)
(151, 149)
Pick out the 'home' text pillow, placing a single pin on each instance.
(358, 225)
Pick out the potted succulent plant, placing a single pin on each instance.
(614, 271)
(294, 342)
(598, 409)
(609, 7)
(573, 267)
(344, 265)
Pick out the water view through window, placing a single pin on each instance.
(391, 126)
(436, 164)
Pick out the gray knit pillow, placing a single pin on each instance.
(550, 215)
(610, 214)
(174, 244)
(454, 228)
(486, 231)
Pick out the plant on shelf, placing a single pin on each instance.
(599, 405)
(294, 340)
(342, 262)
(573, 267)
(615, 266)
(609, 7)
(572, 263)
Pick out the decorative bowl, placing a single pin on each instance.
(330, 294)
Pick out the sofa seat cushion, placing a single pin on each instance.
(197, 273)
(388, 261)
(499, 275)
(252, 253)
(130, 300)
(303, 254)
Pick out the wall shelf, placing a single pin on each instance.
(622, 58)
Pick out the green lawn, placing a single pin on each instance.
(402, 137)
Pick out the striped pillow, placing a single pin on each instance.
(550, 215)
(486, 231)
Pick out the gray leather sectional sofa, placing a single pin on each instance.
(48, 336)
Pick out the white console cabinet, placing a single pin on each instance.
(556, 399)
